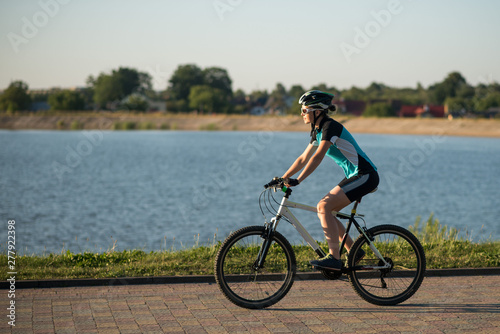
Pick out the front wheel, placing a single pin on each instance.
(242, 281)
(393, 285)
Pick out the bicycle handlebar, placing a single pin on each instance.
(277, 182)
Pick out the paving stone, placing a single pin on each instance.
(442, 305)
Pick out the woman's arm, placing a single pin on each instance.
(301, 161)
(315, 160)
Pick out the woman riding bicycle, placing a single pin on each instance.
(329, 137)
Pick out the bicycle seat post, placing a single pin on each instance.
(355, 207)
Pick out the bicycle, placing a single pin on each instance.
(256, 265)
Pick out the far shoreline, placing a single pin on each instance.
(189, 122)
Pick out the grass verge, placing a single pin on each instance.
(444, 248)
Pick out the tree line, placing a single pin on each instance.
(209, 90)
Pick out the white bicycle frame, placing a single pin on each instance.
(284, 211)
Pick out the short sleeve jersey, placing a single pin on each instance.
(344, 151)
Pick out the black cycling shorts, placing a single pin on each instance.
(358, 186)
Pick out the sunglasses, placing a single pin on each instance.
(304, 111)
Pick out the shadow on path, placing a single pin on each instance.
(405, 308)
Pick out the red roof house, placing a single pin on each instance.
(422, 111)
(408, 111)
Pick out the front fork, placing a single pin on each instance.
(266, 244)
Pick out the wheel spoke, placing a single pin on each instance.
(399, 282)
(241, 282)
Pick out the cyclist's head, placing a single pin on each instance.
(316, 100)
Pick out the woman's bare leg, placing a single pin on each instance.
(334, 230)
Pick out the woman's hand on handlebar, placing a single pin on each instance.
(291, 182)
(280, 182)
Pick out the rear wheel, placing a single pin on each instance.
(393, 285)
(237, 274)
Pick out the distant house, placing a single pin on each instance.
(431, 111)
(40, 106)
(492, 112)
(408, 111)
(354, 107)
(157, 105)
(278, 105)
(258, 110)
(425, 110)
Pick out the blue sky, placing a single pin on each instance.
(49, 43)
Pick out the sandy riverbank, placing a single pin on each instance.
(109, 121)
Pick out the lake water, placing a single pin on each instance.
(156, 190)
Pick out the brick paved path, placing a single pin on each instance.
(442, 305)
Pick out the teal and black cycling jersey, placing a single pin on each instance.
(344, 151)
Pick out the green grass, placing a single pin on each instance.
(127, 263)
(444, 248)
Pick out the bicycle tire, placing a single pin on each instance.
(235, 273)
(396, 284)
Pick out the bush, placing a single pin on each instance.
(146, 126)
(124, 126)
(209, 127)
(129, 126)
(168, 126)
(76, 125)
